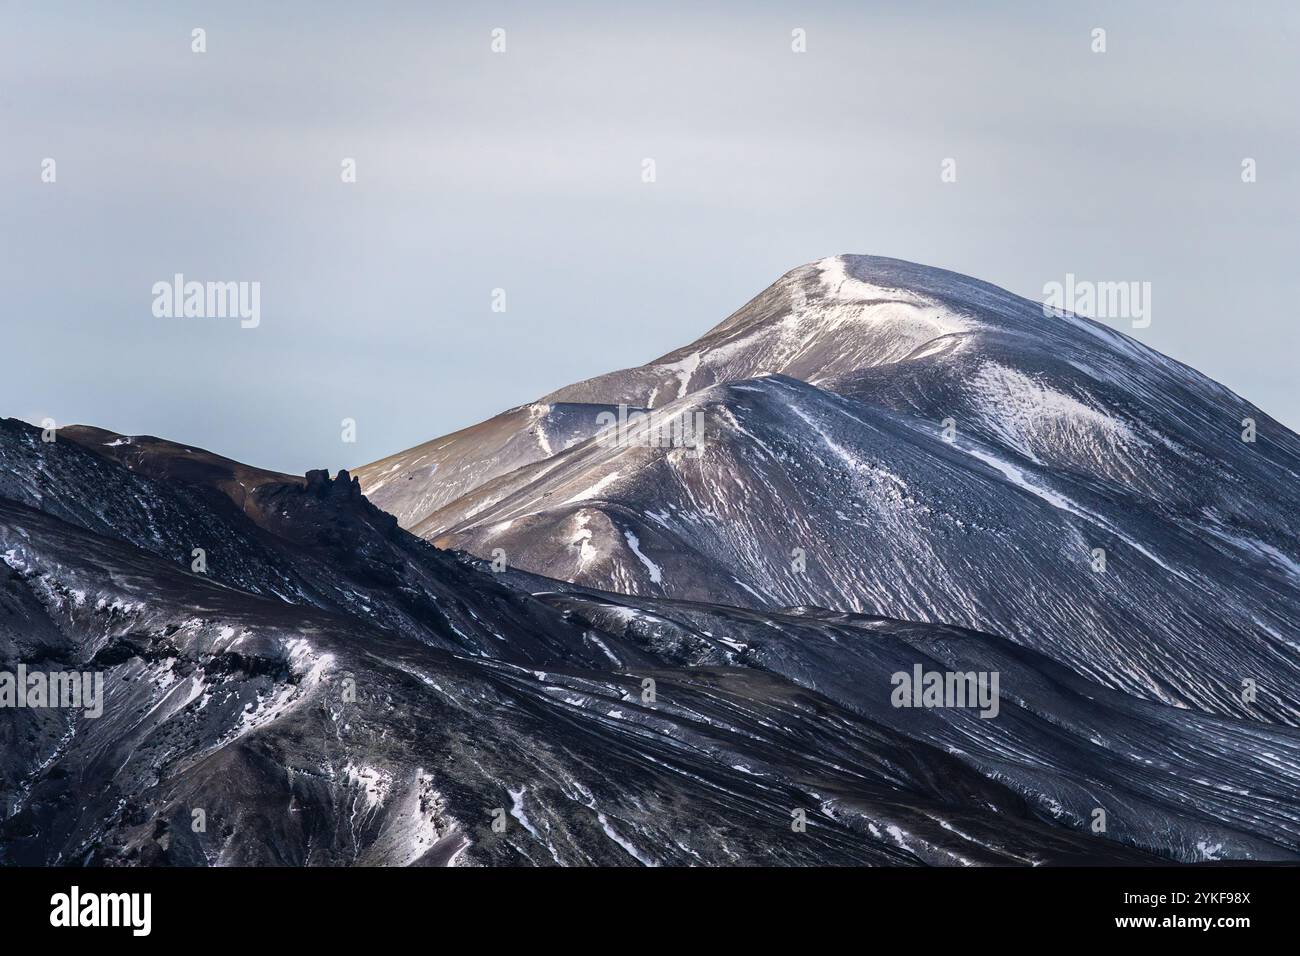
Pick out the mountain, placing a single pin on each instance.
(889, 568)
(889, 439)
(331, 690)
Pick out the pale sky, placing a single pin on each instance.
(522, 171)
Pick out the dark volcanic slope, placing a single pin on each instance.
(236, 706)
(314, 542)
(1063, 744)
(348, 694)
(828, 477)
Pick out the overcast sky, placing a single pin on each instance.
(522, 171)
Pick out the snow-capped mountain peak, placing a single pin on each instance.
(934, 448)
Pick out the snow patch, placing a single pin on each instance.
(627, 846)
(633, 542)
(595, 489)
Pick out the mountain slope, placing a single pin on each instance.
(413, 483)
(319, 731)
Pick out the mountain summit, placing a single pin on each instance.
(887, 438)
